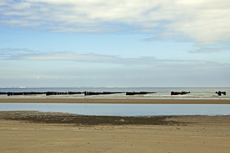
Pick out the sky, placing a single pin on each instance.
(119, 43)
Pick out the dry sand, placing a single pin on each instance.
(116, 101)
(196, 134)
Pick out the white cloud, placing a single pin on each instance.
(203, 21)
(103, 60)
(210, 49)
(11, 53)
(67, 56)
(27, 54)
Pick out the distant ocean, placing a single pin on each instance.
(159, 92)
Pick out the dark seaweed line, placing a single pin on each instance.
(88, 120)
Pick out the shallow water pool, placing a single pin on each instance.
(122, 109)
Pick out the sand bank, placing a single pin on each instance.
(206, 134)
(115, 101)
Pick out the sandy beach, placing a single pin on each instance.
(115, 101)
(204, 134)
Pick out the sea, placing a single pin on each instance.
(123, 109)
(158, 92)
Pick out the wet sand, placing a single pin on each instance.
(204, 134)
(115, 101)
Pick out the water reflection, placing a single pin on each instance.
(123, 109)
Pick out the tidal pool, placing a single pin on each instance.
(122, 109)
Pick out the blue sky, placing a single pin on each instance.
(101, 43)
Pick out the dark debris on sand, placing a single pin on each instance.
(65, 118)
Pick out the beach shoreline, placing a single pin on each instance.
(189, 134)
(114, 101)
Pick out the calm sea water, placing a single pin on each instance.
(161, 92)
